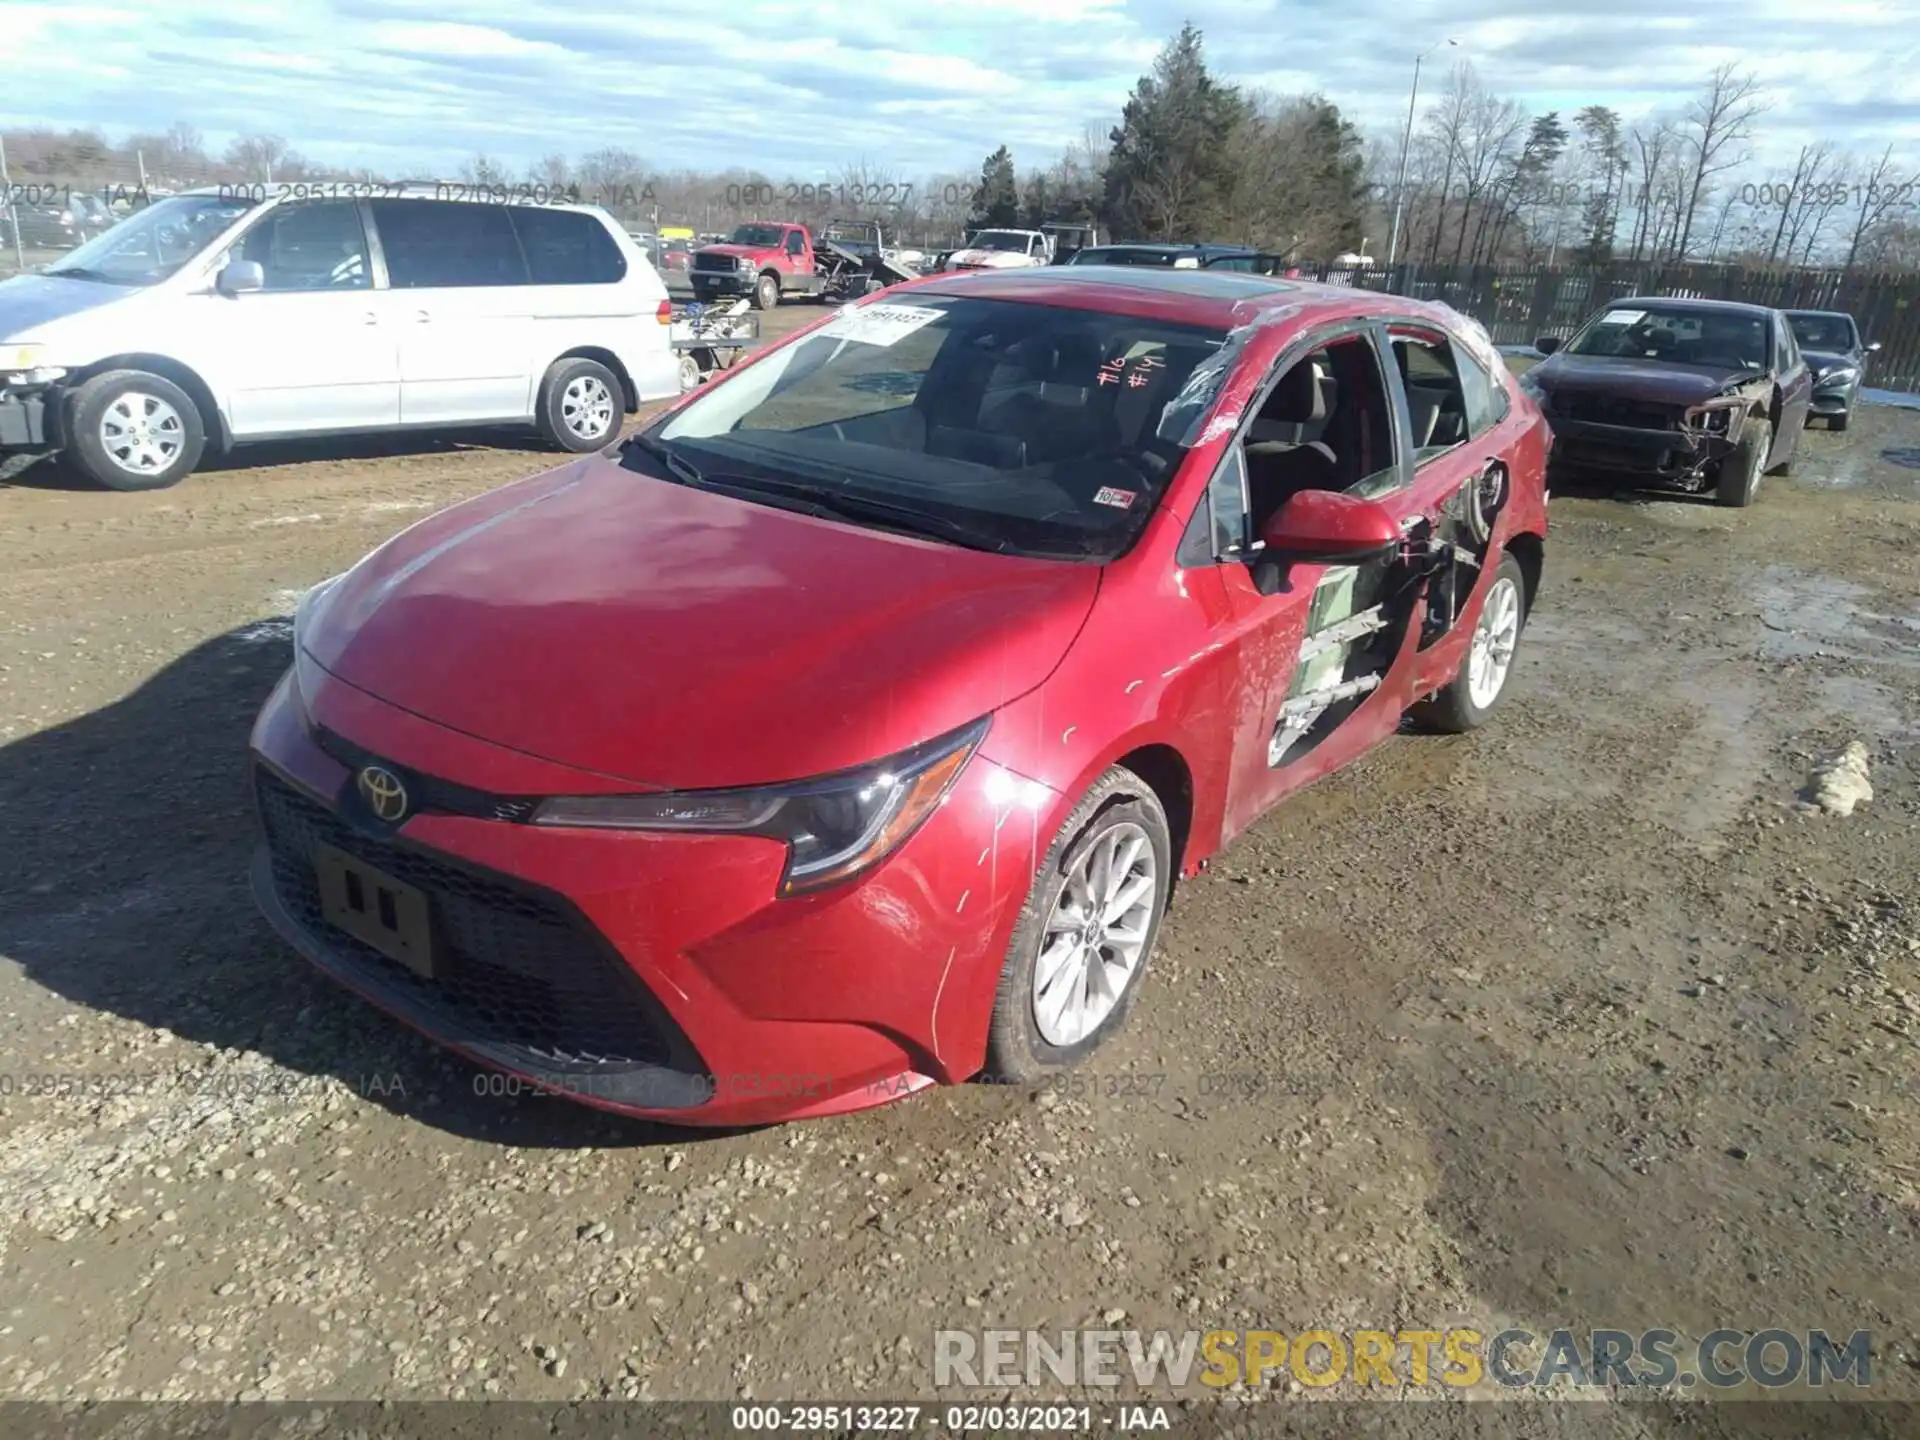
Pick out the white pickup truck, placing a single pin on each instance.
(1002, 250)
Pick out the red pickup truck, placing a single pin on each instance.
(764, 259)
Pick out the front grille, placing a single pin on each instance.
(1613, 410)
(515, 966)
(719, 264)
(430, 794)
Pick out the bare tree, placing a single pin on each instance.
(259, 157)
(1794, 194)
(1880, 193)
(483, 169)
(1721, 118)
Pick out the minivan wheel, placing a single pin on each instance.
(1081, 944)
(766, 294)
(134, 430)
(580, 405)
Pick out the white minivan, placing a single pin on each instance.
(222, 316)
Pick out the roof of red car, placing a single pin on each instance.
(1219, 299)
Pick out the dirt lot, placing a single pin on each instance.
(1577, 1021)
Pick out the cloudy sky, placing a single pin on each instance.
(795, 87)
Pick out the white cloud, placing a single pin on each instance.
(792, 86)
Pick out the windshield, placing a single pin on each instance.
(1677, 335)
(1000, 240)
(1821, 332)
(1030, 429)
(755, 235)
(151, 244)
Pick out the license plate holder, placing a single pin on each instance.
(373, 907)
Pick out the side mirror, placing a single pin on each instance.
(1325, 527)
(1873, 347)
(240, 276)
(1547, 344)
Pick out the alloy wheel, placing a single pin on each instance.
(1096, 937)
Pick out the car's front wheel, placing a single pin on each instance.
(1739, 479)
(766, 292)
(1080, 948)
(134, 430)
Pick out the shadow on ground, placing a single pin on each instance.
(125, 850)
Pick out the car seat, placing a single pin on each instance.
(1279, 469)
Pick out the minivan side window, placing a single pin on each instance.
(565, 247)
(311, 246)
(437, 244)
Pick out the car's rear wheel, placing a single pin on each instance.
(689, 371)
(1740, 471)
(766, 292)
(1080, 948)
(1475, 690)
(133, 430)
(580, 405)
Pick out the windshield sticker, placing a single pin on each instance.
(879, 324)
(1623, 317)
(1118, 499)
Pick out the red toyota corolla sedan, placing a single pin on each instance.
(843, 732)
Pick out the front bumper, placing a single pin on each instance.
(724, 282)
(1630, 449)
(26, 419)
(652, 975)
(1833, 400)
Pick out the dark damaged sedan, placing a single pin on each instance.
(1700, 394)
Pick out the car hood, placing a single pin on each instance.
(739, 252)
(673, 637)
(992, 259)
(1826, 359)
(1634, 379)
(29, 302)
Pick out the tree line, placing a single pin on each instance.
(1192, 157)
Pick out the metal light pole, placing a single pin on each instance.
(1406, 144)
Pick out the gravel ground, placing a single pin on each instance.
(1583, 1020)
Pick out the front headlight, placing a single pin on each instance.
(29, 356)
(309, 604)
(1839, 375)
(835, 827)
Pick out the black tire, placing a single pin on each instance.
(702, 296)
(581, 405)
(1837, 423)
(1017, 1052)
(143, 396)
(1785, 467)
(1453, 710)
(1739, 479)
(766, 291)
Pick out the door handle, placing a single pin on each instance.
(422, 317)
(371, 317)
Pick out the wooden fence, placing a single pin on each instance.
(1518, 305)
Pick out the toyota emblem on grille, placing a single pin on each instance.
(383, 792)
